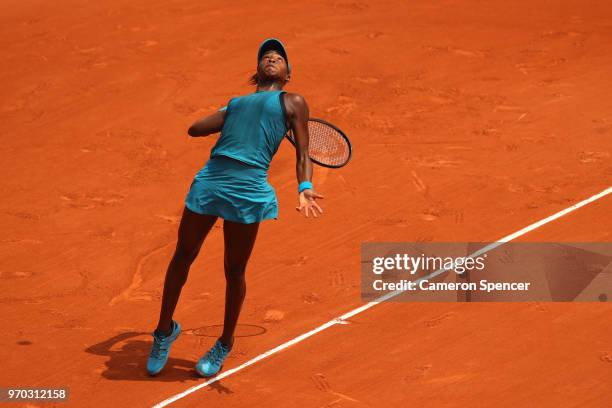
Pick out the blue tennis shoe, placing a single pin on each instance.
(212, 361)
(161, 348)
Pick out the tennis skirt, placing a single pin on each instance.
(232, 190)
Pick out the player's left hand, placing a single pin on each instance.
(307, 202)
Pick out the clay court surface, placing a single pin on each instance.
(470, 120)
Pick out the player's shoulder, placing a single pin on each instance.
(295, 103)
(295, 98)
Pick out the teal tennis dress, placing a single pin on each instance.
(234, 182)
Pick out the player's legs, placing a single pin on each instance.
(239, 241)
(191, 234)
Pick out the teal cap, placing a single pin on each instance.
(276, 45)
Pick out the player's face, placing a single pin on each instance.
(273, 65)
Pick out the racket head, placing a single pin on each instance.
(328, 145)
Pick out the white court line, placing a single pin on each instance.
(342, 319)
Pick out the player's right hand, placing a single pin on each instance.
(307, 203)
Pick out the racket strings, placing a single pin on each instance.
(327, 145)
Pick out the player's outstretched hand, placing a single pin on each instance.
(307, 202)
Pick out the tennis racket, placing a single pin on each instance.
(328, 146)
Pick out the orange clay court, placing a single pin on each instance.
(470, 120)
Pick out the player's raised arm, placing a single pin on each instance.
(208, 125)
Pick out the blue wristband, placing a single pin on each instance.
(304, 185)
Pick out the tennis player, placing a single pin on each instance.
(233, 186)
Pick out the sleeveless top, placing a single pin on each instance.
(253, 128)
